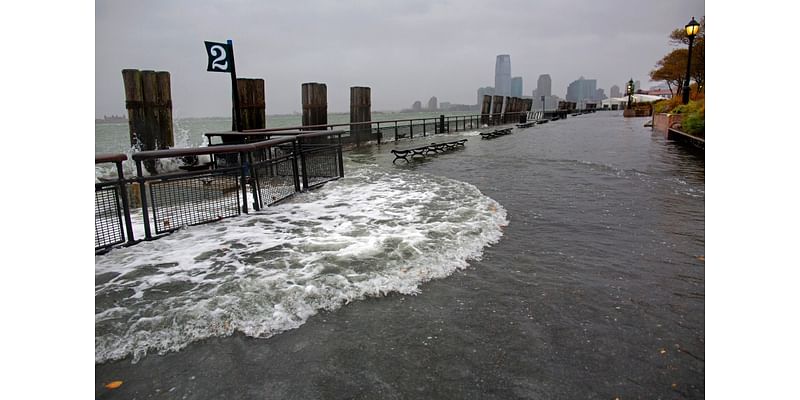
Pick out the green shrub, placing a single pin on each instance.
(695, 121)
(667, 105)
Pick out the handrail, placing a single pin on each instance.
(268, 130)
(318, 134)
(193, 151)
(105, 158)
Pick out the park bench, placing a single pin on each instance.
(427, 149)
(526, 124)
(496, 133)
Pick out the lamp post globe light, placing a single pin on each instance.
(691, 31)
(629, 90)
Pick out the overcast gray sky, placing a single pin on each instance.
(404, 50)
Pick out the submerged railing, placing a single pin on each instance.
(359, 132)
(257, 174)
(112, 217)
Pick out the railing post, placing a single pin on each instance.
(295, 171)
(395, 131)
(341, 158)
(411, 128)
(380, 135)
(245, 172)
(424, 126)
(303, 164)
(254, 182)
(143, 197)
(441, 121)
(126, 209)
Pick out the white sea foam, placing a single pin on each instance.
(369, 234)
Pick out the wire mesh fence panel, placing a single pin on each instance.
(274, 179)
(429, 127)
(194, 200)
(379, 134)
(321, 165)
(403, 131)
(107, 217)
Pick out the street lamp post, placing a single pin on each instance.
(691, 31)
(629, 91)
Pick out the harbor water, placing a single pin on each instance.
(565, 260)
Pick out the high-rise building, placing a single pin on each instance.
(582, 90)
(600, 94)
(516, 86)
(432, 104)
(417, 106)
(502, 75)
(544, 86)
(637, 86)
(488, 90)
(550, 102)
(615, 91)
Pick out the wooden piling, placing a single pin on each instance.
(148, 99)
(360, 111)
(497, 109)
(507, 104)
(315, 104)
(252, 104)
(486, 109)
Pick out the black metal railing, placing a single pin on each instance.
(320, 158)
(112, 220)
(196, 193)
(355, 132)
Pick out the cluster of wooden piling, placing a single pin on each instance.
(252, 104)
(148, 99)
(486, 109)
(360, 111)
(315, 103)
(500, 109)
(515, 106)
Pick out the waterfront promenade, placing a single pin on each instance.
(595, 289)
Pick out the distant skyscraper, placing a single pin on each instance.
(582, 90)
(432, 103)
(544, 86)
(488, 90)
(637, 86)
(615, 91)
(600, 94)
(417, 106)
(516, 86)
(550, 102)
(502, 75)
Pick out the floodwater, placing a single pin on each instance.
(562, 261)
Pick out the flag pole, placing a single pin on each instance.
(237, 118)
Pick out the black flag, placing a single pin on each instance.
(219, 57)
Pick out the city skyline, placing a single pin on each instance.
(169, 36)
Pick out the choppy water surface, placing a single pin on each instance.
(571, 258)
(370, 234)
